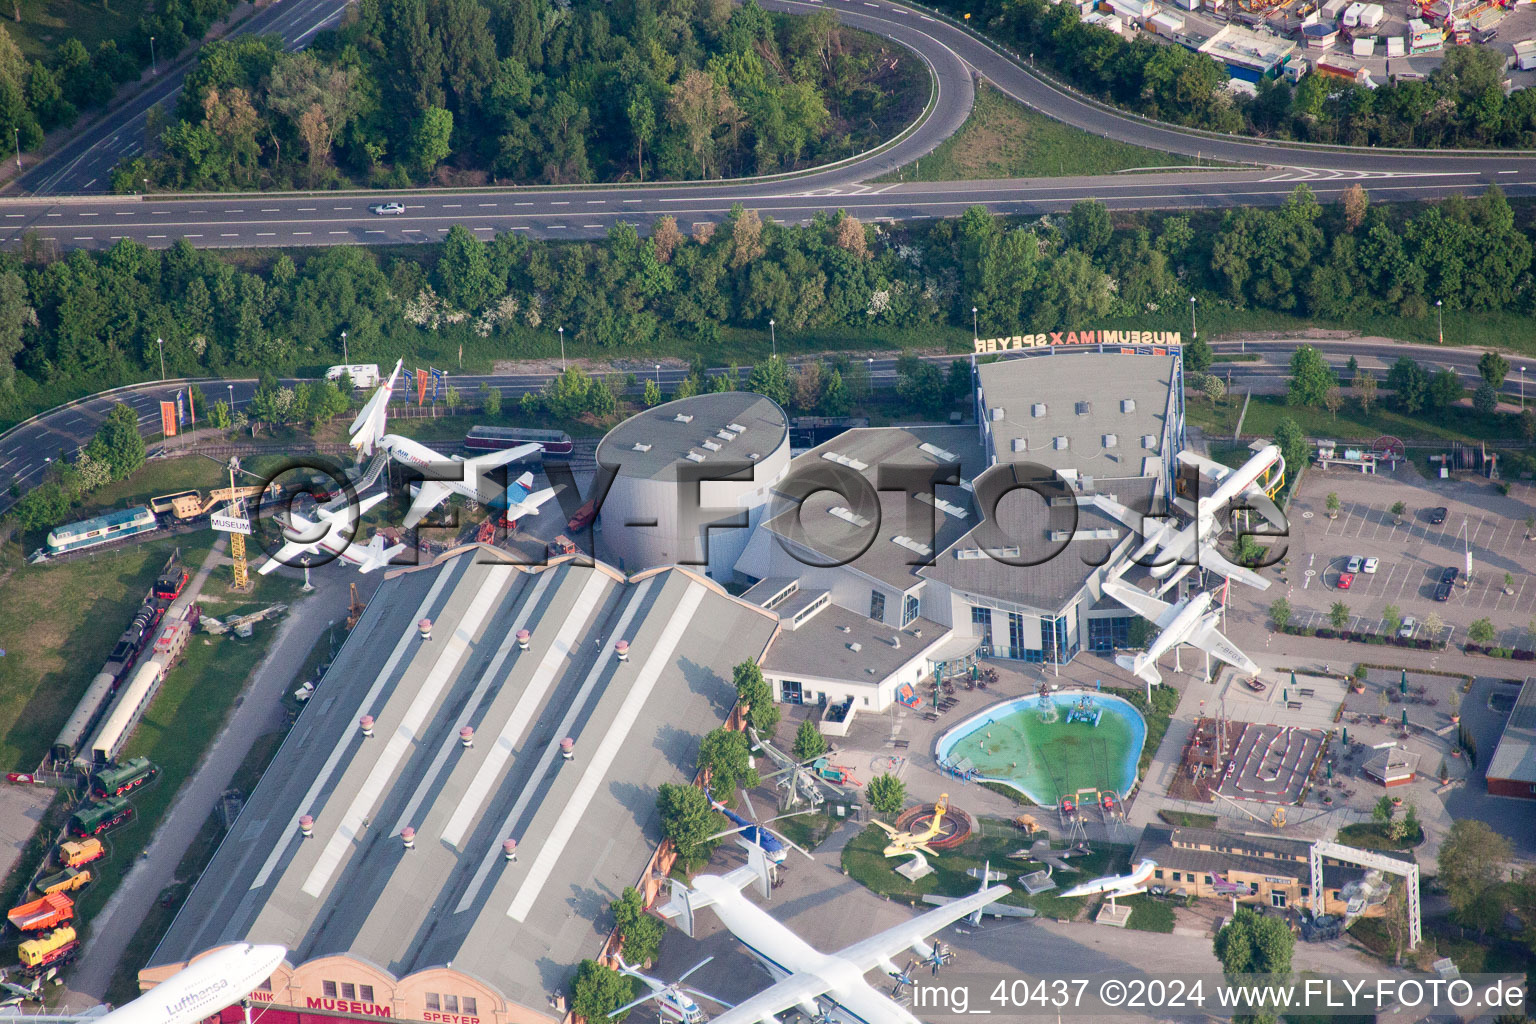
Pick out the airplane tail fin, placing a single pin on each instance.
(525, 481)
(529, 505)
(377, 556)
(684, 904)
(368, 427)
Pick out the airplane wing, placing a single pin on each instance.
(889, 829)
(1209, 638)
(1142, 603)
(992, 910)
(287, 555)
(431, 494)
(490, 460)
(1213, 560)
(529, 506)
(795, 991)
(293, 550)
(1110, 507)
(867, 954)
(374, 556)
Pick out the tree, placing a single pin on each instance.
(652, 395)
(1332, 504)
(835, 400)
(118, 443)
(754, 691)
(1485, 399)
(1381, 812)
(642, 126)
(597, 991)
(920, 384)
(688, 820)
(1088, 226)
(1311, 377)
(1392, 616)
(1409, 385)
(431, 138)
(1433, 624)
(1493, 367)
(1471, 870)
(1333, 401)
(770, 378)
(220, 415)
(726, 758)
(809, 742)
(1445, 389)
(1198, 356)
(1213, 387)
(451, 397)
(1280, 613)
(1293, 443)
(1398, 508)
(886, 794)
(1482, 632)
(1365, 391)
(1250, 944)
(1355, 203)
(639, 932)
(463, 270)
(850, 237)
(1339, 615)
(490, 399)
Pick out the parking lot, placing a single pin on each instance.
(1413, 553)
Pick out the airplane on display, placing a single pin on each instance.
(368, 435)
(194, 993)
(996, 909)
(804, 975)
(903, 843)
(674, 1002)
(332, 540)
(751, 832)
(1116, 885)
(1190, 621)
(1175, 550)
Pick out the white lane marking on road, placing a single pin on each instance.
(556, 227)
(230, 234)
(192, 236)
(452, 206)
(374, 231)
(85, 238)
(90, 215)
(265, 234)
(156, 236)
(341, 207)
(596, 202)
(297, 233)
(302, 209)
(119, 213)
(485, 229)
(23, 215)
(561, 202)
(591, 225)
(522, 204)
(484, 205)
(270, 209)
(1509, 172)
(234, 211)
(338, 232)
(627, 201)
(55, 215)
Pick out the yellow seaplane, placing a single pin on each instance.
(904, 843)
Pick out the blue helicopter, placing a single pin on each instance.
(757, 833)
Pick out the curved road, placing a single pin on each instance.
(28, 448)
(954, 57)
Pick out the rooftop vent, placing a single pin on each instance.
(845, 629)
(509, 849)
(1083, 408)
(1111, 441)
(725, 435)
(1037, 410)
(847, 515)
(1149, 442)
(1060, 536)
(694, 456)
(523, 636)
(713, 446)
(937, 452)
(998, 413)
(1128, 405)
(948, 508)
(896, 642)
(1060, 443)
(843, 460)
(754, 456)
(970, 554)
(855, 647)
(467, 736)
(683, 417)
(736, 427)
(912, 545)
(641, 446)
(366, 724)
(1021, 444)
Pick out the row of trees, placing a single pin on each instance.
(115, 452)
(70, 325)
(41, 95)
(1460, 103)
(533, 91)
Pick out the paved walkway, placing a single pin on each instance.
(256, 712)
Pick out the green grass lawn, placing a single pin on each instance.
(1266, 411)
(59, 625)
(1002, 138)
(996, 839)
(47, 24)
(1368, 835)
(1149, 914)
(1184, 819)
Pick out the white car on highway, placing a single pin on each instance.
(387, 208)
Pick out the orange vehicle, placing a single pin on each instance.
(72, 855)
(561, 545)
(52, 909)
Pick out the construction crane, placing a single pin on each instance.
(354, 609)
(191, 505)
(236, 510)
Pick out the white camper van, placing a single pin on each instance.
(364, 375)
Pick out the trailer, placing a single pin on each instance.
(67, 880)
(55, 949)
(72, 855)
(98, 817)
(52, 909)
(119, 780)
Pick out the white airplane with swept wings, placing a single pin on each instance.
(368, 435)
(807, 977)
(1190, 621)
(1116, 885)
(330, 537)
(1176, 550)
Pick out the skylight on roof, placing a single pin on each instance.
(848, 515)
(912, 545)
(713, 446)
(948, 508)
(937, 452)
(725, 435)
(736, 427)
(641, 446)
(843, 460)
(694, 456)
(683, 417)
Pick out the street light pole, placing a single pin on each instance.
(1522, 389)
(975, 332)
(231, 388)
(154, 65)
(17, 130)
(161, 342)
(658, 375)
(773, 335)
(1194, 332)
(562, 347)
(1439, 322)
(344, 357)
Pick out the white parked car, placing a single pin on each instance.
(1371, 564)
(387, 208)
(1354, 564)
(1406, 629)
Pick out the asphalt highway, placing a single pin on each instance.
(952, 55)
(27, 449)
